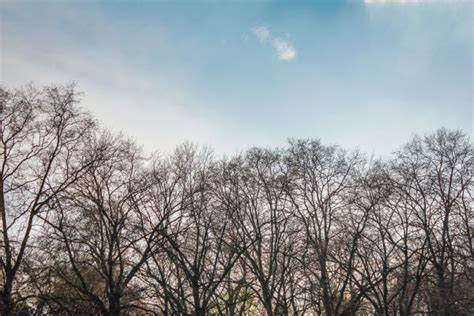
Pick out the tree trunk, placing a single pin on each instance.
(199, 311)
(7, 300)
(269, 307)
(114, 306)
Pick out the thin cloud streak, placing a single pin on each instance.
(284, 49)
(261, 32)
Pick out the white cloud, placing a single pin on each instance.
(284, 49)
(261, 32)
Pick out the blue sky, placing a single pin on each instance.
(236, 74)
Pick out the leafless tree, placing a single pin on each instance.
(268, 219)
(322, 192)
(43, 133)
(105, 227)
(433, 175)
(198, 245)
(91, 224)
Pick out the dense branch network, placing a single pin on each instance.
(91, 224)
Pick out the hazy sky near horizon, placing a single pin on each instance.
(237, 74)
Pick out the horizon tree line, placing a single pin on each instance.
(91, 224)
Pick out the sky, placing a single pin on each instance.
(231, 75)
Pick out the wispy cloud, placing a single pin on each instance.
(284, 49)
(261, 32)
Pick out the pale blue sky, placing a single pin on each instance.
(236, 74)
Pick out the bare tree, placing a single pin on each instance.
(42, 136)
(268, 219)
(104, 228)
(198, 246)
(90, 224)
(321, 191)
(390, 260)
(434, 175)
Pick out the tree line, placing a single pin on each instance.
(93, 225)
